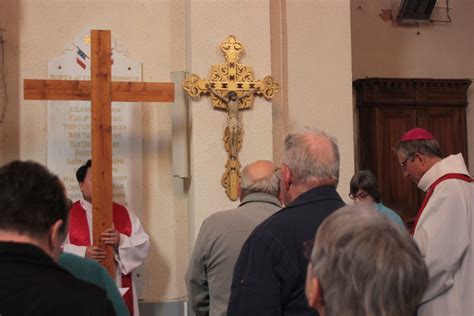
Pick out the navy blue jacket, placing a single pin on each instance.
(269, 276)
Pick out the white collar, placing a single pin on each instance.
(86, 205)
(450, 164)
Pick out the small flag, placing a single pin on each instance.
(81, 58)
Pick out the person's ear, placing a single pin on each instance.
(313, 289)
(81, 184)
(314, 293)
(286, 176)
(421, 158)
(56, 238)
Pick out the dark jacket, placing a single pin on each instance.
(31, 283)
(269, 276)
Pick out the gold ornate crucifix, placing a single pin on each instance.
(101, 91)
(232, 87)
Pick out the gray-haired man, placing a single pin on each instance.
(364, 264)
(220, 239)
(269, 276)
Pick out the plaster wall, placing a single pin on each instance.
(319, 74)
(208, 24)
(439, 50)
(153, 33)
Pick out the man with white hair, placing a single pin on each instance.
(221, 236)
(269, 276)
(365, 264)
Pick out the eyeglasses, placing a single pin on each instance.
(403, 164)
(359, 196)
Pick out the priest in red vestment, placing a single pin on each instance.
(129, 240)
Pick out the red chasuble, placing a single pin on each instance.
(447, 176)
(79, 236)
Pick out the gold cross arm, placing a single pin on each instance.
(195, 86)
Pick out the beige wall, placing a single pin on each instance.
(319, 74)
(208, 24)
(386, 49)
(185, 35)
(152, 32)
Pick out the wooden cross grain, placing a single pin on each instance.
(101, 91)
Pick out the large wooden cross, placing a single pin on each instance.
(232, 87)
(101, 91)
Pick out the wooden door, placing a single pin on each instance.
(387, 108)
(448, 126)
(398, 192)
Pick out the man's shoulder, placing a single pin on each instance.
(301, 207)
(243, 218)
(307, 209)
(218, 222)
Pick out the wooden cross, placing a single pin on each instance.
(232, 87)
(101, 91)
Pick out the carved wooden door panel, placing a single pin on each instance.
(397, 192)
(448, 125)
(387, 108)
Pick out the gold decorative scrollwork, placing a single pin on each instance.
(194, 87)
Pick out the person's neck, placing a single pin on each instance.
(429, 162)
(297, 189)
(87, 200)
(13, 236)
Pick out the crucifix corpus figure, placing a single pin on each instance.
(101, 91)
(232, 87)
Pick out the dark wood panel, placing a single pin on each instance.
(387, 108)
(448, 125)
(397, 192)
(377, 92)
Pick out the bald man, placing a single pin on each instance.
(222, 235)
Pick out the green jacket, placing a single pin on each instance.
(94, 272)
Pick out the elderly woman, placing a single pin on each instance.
(363, 188)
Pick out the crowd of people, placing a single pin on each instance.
(317, 256)
(291, 247)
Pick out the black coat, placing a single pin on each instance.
(269, 276)
(31, 283)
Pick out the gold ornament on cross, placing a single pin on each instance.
(232, 87)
